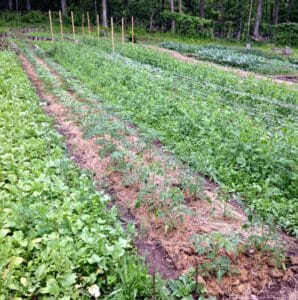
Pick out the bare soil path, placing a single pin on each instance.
(170, 251)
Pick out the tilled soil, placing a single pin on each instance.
(169, 252)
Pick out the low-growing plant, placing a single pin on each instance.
(214, 247)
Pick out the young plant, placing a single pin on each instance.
(215, 247)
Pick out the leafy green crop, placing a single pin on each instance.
(250, 60)
(58, 240)
(242, 134)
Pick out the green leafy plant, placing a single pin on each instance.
(212, 246)
(251, 60)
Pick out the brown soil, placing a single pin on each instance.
(169, 252)
(291, 78)
(278, 79)
(4, 44)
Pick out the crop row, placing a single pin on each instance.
(245, 59)
(226, 144)
(57, 238)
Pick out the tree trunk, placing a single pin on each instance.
(289, 10)
(63, 7)
(276, 12)
(95, 8)
(162, 9)
(10, 4)
(240, 22)
(202, 8)
(258, 20)
(151, 22)
(104, 13)
(28, 5)
(172, 11)
(180, 6)
(221, 18)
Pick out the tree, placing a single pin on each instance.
(180, 6)
(202, 8)
(28, 5)
(276, 12)
(240, 18)
(63, 7)
(172, 11)
(104, 13)
(256, 33)
(95, 7)
(10, 4)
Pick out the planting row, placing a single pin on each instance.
(57, 238)
(241, 152)
(250, 60)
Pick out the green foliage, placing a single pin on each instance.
(240, 133)
(34, 17)
(250, 60)
(184, 286)
(286, 34)
(213, 245)
(58, 240)
(186, 24)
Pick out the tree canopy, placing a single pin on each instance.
(222, 18)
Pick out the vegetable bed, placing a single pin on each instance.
(243, 134)
(58, 240)
(250, 60)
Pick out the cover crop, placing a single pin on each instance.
(213, 121)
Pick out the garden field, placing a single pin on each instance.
(206, 122)
(251, 60)
(133, 175)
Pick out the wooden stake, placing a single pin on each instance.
(122, 31)
(154, 284)
(88, 20)
(196, 281)
(61, 26)
(83, 25)
(73, 27)
(51, 25)
(132, 31)
(97, 20)
(112, 27)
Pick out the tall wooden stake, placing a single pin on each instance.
(83, 25)
(132, 31)
(51, 25)
(113, 42)
(97, 21)
(122, 31)
(154, 284)
(61, 26)
(196, 281)
(73, 27)
(88, 20)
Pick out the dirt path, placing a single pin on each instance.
(277, 79)
(170, 252)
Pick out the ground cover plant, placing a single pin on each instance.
(206, 120)
(251, 60)
(57, 238)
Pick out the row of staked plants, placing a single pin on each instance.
(240, 133)
(250, 60)
(58, 239)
